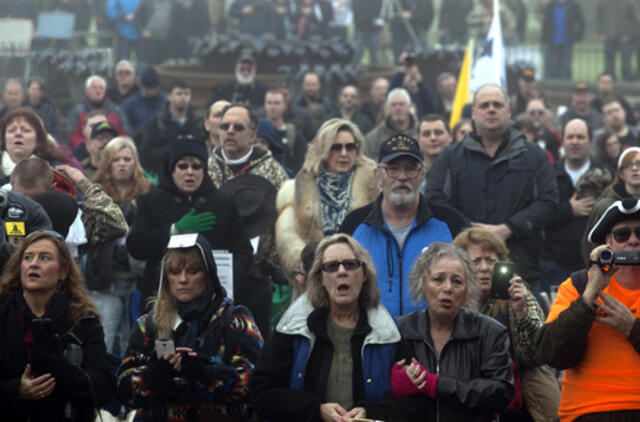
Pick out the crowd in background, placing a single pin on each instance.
(386, 264)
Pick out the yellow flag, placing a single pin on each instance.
(462, 89)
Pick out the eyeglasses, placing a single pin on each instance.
(623, 234)
(184, 166)
(536, 112)
(350, 147)
(333, 266)
(394, 171)
(237, 127)
(125, 72)
(631, 165)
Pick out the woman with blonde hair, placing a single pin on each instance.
(120, 173)
(335, 179)
(191, 357)
(53, 360)
(122, 179)
(331, 354)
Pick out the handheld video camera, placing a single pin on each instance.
(608, 257)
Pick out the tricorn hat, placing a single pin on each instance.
(627, 209)
(255, 198)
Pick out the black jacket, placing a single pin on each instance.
(421, 16)
(156, 137)
(474, 368)
(365, 12)
(563, 234)
(516, 187)
(574, 23)
(72, 382)
(165, 205)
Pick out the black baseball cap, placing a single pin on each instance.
(104, 126)
(399, 145)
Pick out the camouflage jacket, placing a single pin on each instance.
(522, 332)
(102, 218)
(261, 163)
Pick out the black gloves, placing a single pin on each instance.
(44, 359)
(159, 375)
(200, 369)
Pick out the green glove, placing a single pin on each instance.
(192, 223)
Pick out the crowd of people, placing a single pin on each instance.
(295, 258)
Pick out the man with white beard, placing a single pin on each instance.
(244, 89)
(399, 224)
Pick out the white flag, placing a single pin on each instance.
(490, 61)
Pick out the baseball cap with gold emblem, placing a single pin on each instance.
(399, 145)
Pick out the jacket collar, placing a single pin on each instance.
(515, 145)
(296, 321)
(375, 218)
(417, 326)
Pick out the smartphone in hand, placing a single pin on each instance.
(164, 346)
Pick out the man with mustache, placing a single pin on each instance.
(399, 224)
(238, 156)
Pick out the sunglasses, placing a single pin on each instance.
(623, 234)
(237, 127)
(350, 147)
(184, 166)
(333, 266)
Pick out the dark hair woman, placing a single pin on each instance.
(53, 360)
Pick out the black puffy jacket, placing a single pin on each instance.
(474, 370)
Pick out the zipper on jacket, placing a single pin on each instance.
(438, 401)
(400, 278)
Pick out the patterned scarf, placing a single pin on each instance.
(187, 333)
(335, 198)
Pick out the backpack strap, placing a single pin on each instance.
(579, 280)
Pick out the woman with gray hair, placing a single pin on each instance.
(335, 179)
(455, 362)
(331, 354)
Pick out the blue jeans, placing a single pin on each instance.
(113, 305)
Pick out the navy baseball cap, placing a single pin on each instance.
(399, 145)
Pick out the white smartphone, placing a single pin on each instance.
(164, 346)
